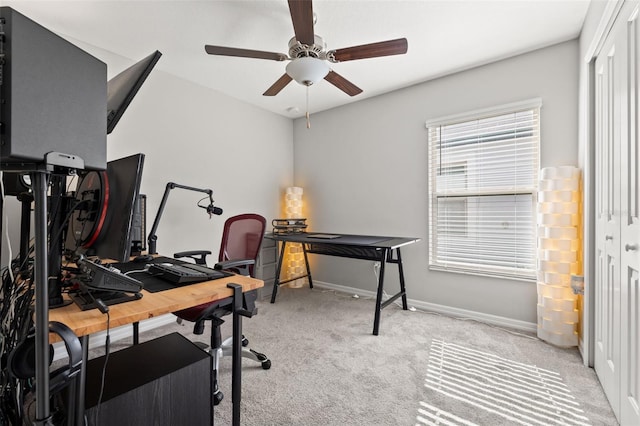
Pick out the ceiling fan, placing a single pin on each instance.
(309, 56)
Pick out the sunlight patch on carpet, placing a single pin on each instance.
(430, 415)
(520, 393)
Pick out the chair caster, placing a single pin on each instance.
(245, 341)
(265, 362)
(217, 397)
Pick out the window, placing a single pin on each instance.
(483, 174)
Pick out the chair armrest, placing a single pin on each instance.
(192, 255)
(239, 265)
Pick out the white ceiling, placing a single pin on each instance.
(443, 37)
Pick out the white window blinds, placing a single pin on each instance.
(483, 172)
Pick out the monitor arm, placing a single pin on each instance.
(211, 209)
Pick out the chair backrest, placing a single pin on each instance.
(242, 237)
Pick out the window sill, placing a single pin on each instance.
(482, 274)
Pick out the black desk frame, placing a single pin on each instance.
(384, 250)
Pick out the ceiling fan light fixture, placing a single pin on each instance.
(307, 70)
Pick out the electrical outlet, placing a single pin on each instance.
(577, 284)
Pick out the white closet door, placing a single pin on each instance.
(617, 291)
(630, 229)
(607, 285)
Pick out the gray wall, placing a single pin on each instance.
(198, 137)
(363, 168)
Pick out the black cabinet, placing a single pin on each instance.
(165, 381)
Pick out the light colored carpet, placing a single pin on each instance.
(328, 369)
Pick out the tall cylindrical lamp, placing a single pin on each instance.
(294, 257)
(559, 254)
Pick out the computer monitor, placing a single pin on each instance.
(122, 88)
(102, 222)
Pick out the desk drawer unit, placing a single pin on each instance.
(266, 266)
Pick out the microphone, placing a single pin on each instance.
(211, 209)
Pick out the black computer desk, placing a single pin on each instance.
(367, 247)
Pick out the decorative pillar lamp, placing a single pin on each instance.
(294, 257)
(559, 254)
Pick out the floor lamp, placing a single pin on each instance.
(294, 257)
(559, 254)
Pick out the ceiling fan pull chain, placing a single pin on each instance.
(307, 114)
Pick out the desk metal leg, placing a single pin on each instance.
(306, 264)
(376, 319)
(136, 333)
(387, 257)
(276, 282)
(401, 276)
(236, 356)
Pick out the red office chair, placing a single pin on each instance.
(241, 240)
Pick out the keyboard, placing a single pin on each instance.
(186, 273)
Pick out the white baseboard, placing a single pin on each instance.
(97, 340)
(442, 309)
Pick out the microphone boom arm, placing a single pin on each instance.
(153, 238)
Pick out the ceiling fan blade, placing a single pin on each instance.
(343, 84)
(302, 17)
(244, 53)
(278, 85)
(373, 50)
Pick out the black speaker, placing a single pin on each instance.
(15, 183)
(53, 97)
